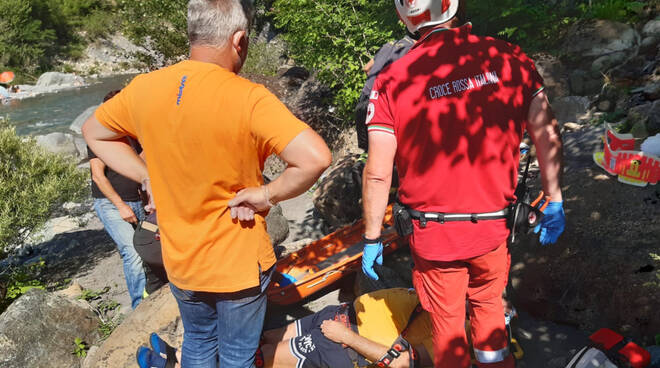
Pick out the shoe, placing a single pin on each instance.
(147, 358)
(162, 348)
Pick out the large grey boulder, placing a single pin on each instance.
(652, 28)
(583, 83)
(277, 225)
(39, 329)
(60, 143)
(600, 37)
(55, 79)
(647, 114)
(77, 124)
(595, 47)
(571, 109)
(339, 194)
(554, 75)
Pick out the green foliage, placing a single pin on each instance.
(18, 280)
(89, 295)
(103, 308)
(617, 10)
(79, 348)
(337, 38)
(33, 183)
(157, 24)
(23, 42)
(263, 59)
(36, 32)
(533, 25)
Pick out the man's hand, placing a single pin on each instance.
(336, 331)
(249, 201)
(553, 223)
(373, 253)
(127, 213)
(146, 187)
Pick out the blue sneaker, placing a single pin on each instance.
(162, 348)
(147, 358)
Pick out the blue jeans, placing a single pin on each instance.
(221, 328)
(122, 233)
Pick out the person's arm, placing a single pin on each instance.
(118, 155)
(372, 351)
(367, 67)
(544, 132)
(376, 181)
(98, 176)
(307, 156)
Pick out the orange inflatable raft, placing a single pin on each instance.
(329, 259)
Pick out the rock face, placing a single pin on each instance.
(594, 48)
(277, 224)
(648, 115)
(80, 120)
(55, 79)
(39, 329)
(571, 109)
(60, 143)
(114, 54)
(158, 313)
(554, 75)
(600, 37)
(339, 193)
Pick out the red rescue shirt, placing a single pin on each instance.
(457, 104)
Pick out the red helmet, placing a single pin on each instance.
(416, 14)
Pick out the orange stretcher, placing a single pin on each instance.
(329, 259)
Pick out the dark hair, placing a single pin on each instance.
(111, 94)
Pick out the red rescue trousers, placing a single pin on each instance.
(442, 288)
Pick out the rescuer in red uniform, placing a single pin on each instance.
(451, 114)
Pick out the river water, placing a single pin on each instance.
(54, 112)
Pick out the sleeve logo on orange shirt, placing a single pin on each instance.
(183, 84)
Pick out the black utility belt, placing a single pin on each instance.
(403, 217)
(443, 217)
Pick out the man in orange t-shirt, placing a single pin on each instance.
(206, 133)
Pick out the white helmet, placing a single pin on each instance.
(416, 14)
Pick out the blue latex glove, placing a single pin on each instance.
(372, 253)
(287, 280)
(552, 224)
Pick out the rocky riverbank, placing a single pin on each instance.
(603, 272)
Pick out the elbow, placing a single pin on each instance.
(376, 176)
(320, 161)
(325, 160)
(85, 131)
(96, 178)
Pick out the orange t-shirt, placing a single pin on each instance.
(206, 133)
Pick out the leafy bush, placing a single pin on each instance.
(535, 26)
(157, 24)
(262, 59)
(337, 38)
(617, 10)
(33, 183)
(34, 33)
(23, 42)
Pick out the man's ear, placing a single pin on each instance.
(240, 43)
